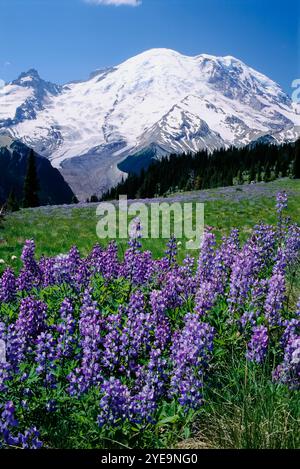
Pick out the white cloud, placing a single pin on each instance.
(131, 3)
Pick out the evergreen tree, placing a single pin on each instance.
(276, 170)
(12, 204)
(31, 183)
(296, 165)
(258, 176)
(198, 183)
(208, 170)
(239, 178)
(267, 173)
(252, 174)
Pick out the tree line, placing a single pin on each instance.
(224, 167)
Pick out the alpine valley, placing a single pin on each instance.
(154, 104)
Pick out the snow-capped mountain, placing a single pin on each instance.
(159, 99)
(23, 98)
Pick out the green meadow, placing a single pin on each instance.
(56, 229)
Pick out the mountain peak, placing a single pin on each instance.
(159, 51)
(33, 73)
(26, 78)
(31, 79)
(156, 55)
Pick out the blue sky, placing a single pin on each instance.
(67, 39)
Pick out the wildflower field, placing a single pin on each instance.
(135, 351)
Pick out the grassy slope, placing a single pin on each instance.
(55, 230)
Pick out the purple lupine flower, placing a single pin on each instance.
(47, 270)
(144, 270)
(5, 368)
(8, 423)
(162, 334)
(105, 262)
(258, 345)
(137, 266)
(220, 272)
(206, 258)
(288, 372)
(73, 260)
(281, 205)
(51, 405)
(90, 325)
(135, 234)
(174, 289)
(280, 263)
(281, 201)
(190, 354)
(77, 269)
(186, 271)
(5, 376)
(258, 295)
(266, 239)
(205, 297)
(82, 275)
(158, 302)
(29, 324)
(157, 365)
(61, 269)
(136, 333)
(46, 358)
(32, 316)
(150, 385)
(7, 286)
(112, 341)
(159, 271)
(30, 274)
(291, 244)
(256, 303)
(142, 405)
(113, 404)
(224, 258)
(30, 439)
(275, 297)
(229, 248)
(16, 345)
(8, 414)
(171, 251)
(110, 266)
(291, 331)
(95, 259)
(245, 268)
(65, 329)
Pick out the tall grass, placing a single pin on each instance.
(245, 409)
